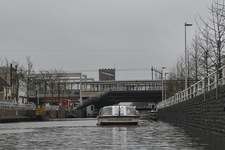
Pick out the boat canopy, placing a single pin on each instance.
(118, 111)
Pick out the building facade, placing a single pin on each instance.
(8, 82)
(5, 90)
(107, 74)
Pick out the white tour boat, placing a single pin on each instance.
(118, 115)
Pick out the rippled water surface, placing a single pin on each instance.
(85, 134)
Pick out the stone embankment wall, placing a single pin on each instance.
(208, 114)
(64, 114)
(12, 112)
(4, 112)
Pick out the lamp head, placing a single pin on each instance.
(186, 24)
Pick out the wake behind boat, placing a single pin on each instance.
(118, 115)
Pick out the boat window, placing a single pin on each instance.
(131, 111)
(123, 110)
(100, 112)
(115, 111)
(107, 111)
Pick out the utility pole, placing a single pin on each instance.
(161, 73)
(157, 71)
(186, 73)
(152, 72)
(165, 85)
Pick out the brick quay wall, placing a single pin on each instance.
(12, 112)
(64, 114)
(195, 112)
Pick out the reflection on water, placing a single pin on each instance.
(84, 134)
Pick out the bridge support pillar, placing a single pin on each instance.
(81, 113)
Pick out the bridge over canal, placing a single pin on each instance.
(78, 88)
(98, 93)
(106, 93)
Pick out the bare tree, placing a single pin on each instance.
(51, 83)
(172, 82)
(60, 79)
(206, 60)
(5, 75)
(176, 77)
(180, 67)
(19, 77)
(196, 69)
(213, 34)
(45, 78)
(28, 80)
(206, 51)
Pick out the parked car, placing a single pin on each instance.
(31, 103)
(72, 116)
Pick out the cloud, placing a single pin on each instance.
(93, 34)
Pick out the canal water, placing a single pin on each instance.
(84, 134)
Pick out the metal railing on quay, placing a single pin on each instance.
(204, 85)
(52, 107)
(5, 105)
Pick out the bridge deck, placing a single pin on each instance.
(115, 97)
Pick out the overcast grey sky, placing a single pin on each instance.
(78, 35)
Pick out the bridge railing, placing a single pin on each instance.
(102, 86)
(207, 84)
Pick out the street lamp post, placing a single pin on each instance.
(162, 83)
(165, 85)
(37, 87)
(186, 24)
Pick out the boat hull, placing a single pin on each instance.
(113, 120)
(153, 115)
